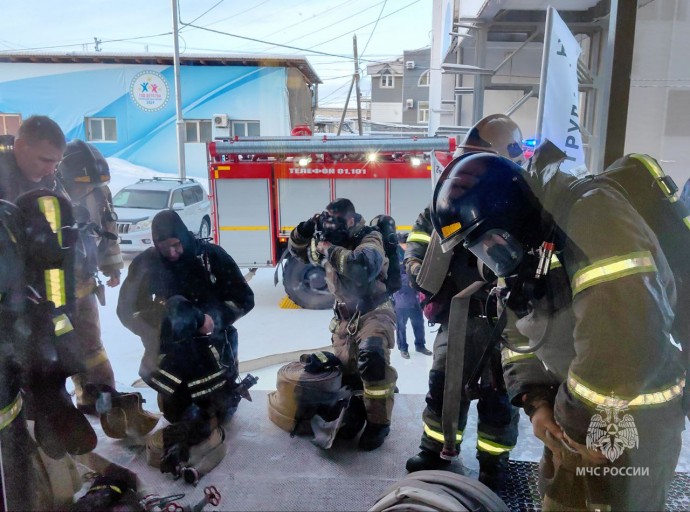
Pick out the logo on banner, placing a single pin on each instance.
(610, 434)
(149, 91)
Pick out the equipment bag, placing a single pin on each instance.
(385, 225)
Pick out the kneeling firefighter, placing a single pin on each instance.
(363, 329)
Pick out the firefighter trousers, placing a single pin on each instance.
(497, 428)
(363, 344)
(87, 336)
(637, 479)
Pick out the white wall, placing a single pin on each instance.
(386, 112)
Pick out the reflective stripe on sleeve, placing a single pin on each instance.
(510, 356)
(419, 237)
(610, 269)
(50, 207)
(62, 325)
(55, 286)
(578, 388)
(11, 411)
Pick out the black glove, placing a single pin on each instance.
(307, 228)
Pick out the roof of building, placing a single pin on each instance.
(395, 66)
(188, 59)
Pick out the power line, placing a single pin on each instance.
(89, 43)
(374, 29)
(206, 11)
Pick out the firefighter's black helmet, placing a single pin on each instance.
(84, 163)
(484, 201)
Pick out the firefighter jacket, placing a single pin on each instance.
(606, 326)
(355, 273)
(205, 275)
(12, 180)
(100, 253)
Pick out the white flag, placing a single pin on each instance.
(558, 118)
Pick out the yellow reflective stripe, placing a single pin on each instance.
(492, 447)
(62, 325)
(11, 411)
(686, 220)
(209, 390)
(321, 356)
(99, 358)
(419, 236)
(205, 379)
(448, 230)
(577, 387)
(169, 376)
(50, 207)
(100, 487)
(376, 392)
(613, 268)
(403, 228)
(510, 356)
(554, 262)
(55, 286)
(243, 228)
(159, 383)
(656, 171)
(438, 436)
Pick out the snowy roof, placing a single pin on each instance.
(189, 59)
(394, 66)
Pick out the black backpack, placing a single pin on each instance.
(385, 225)
(655, 197)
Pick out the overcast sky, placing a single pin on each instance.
(384, 28)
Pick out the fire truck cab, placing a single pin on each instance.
(261, 188)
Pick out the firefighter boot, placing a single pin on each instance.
(493, 470)
(373, 436)
(426, 460)
(355, 417)
(124, 415)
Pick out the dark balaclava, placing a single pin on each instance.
(168, 224)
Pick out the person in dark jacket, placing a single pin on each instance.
(363, 328)
(592, 298)
(28, 160)
(407, 307)
(185, 292)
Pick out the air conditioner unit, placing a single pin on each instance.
(409, 104)
(409, 64)
(220, 120)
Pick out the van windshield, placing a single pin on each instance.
(149, 199)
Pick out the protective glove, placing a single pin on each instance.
(413, 267)
(307, 228)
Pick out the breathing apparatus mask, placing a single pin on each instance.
(333, 228)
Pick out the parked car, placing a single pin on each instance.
(137, 204)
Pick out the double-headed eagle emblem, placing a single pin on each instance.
(610, 434)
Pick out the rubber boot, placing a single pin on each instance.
(493, 471)
(426, 460)
(373, 436)
(355, 418)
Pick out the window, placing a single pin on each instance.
(423, 112)
(148, 199)
(9, 124)
(101, 129)
(424, 79)
(387, 81)
(245, 128)
(199, 192)
(198, 130)
(177, 197)
(189, 196)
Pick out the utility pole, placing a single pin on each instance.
(354, 82)
(178, 96)
(357, 91)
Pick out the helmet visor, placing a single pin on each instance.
(499, 251)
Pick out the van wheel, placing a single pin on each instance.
(306, 285)
(205, 229)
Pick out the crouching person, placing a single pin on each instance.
(182, 297)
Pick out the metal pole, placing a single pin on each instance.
(357, 92)
(479, 79)
(178, 97)
(347, 102)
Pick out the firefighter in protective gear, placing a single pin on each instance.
(601, 374)
(50, 355)
(84, 173)
(29, 159)
(497, 429)
(363, 329)
(182, 297)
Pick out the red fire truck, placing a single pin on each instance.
(262, 188)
